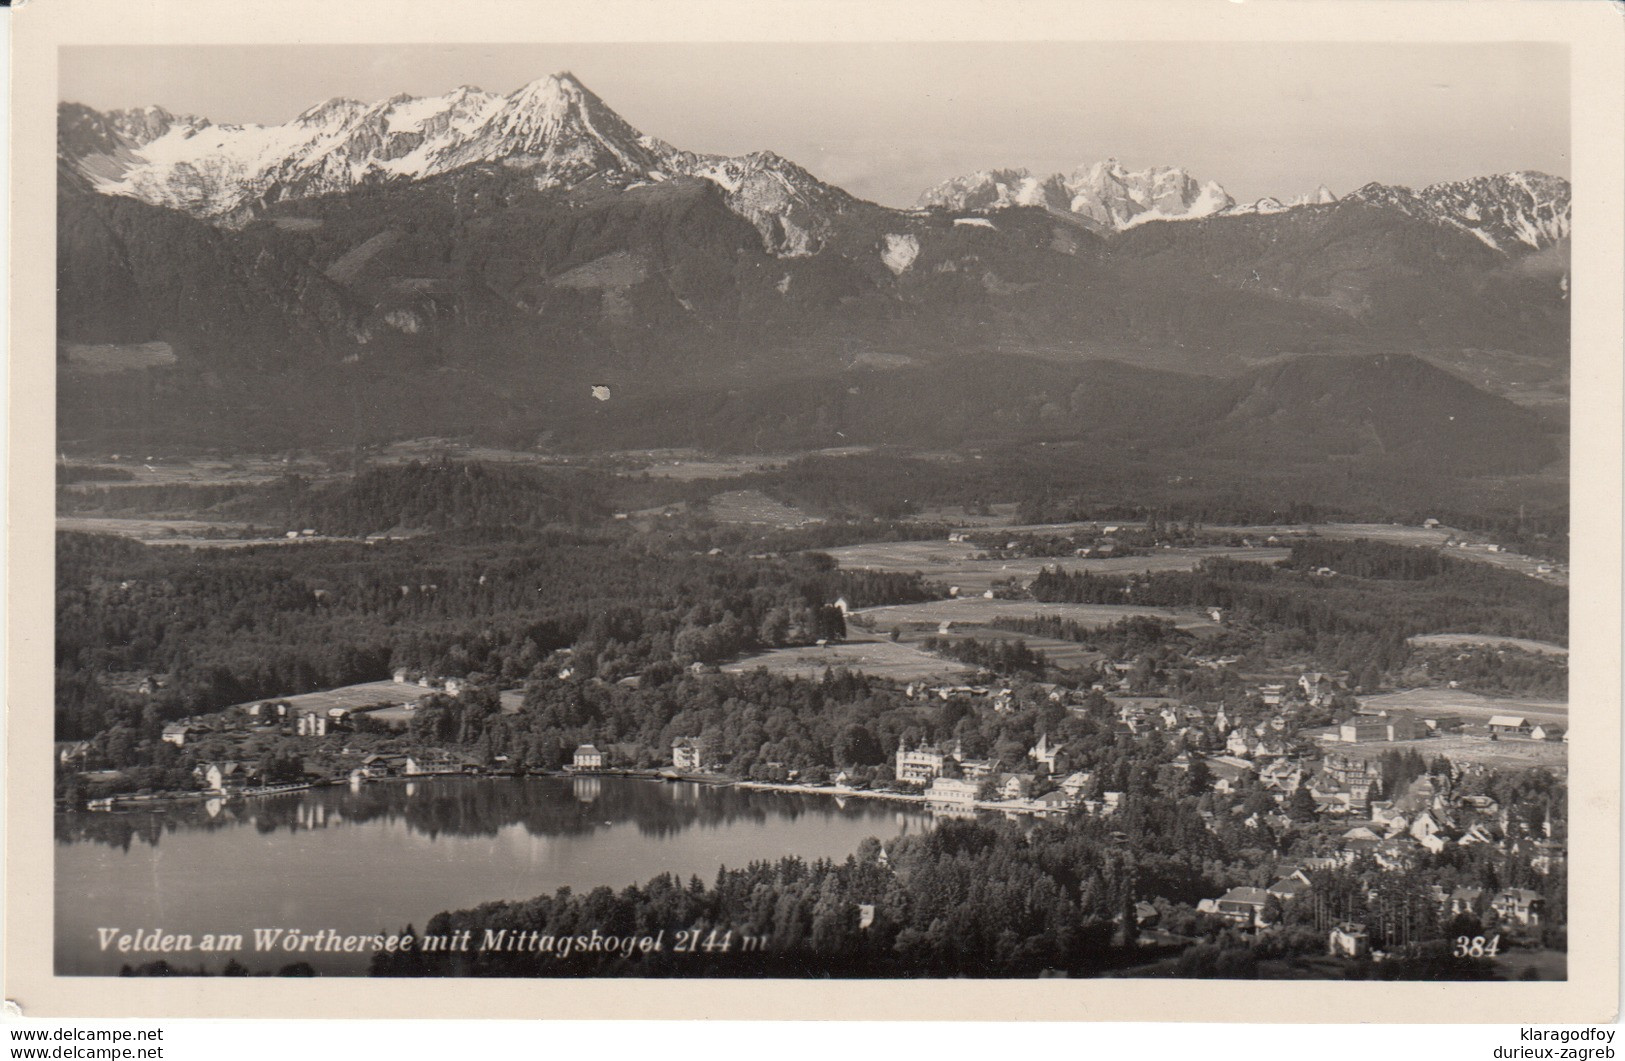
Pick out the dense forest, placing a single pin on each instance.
(226, 626)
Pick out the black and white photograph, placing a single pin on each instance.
(850, 510)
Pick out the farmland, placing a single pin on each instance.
(1489, 641)
(755, 507)
(881, 659)
(203, 534)
(953, 563)
(102, 358)
(352, 697)
(173, 471)
(1470, 706)
(1460, 749)
(979, 611)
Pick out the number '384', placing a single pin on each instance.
(1477, 947)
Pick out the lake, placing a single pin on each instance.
(379, 857)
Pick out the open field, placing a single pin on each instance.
(755, 507)
(102, 358)
(951, 562)
(979, 611)
(1501, 754)
(1001, 516)
(882, 659)
(155, 531)
(176, 532)
(1491, 641)
(238, 471)
(1470, 706)
(351, 696)
(1068, 654)
(688, 465)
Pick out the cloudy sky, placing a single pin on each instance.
(885, 121)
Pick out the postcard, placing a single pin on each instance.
(986, 510)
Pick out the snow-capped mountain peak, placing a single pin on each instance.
(1504, 211)
(554, 128)
(1105, 193)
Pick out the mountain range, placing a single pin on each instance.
(1107, 195)
(477, 263)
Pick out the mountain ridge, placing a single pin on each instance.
(563, 134)
(507, 254)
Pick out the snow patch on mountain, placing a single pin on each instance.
(900, 252)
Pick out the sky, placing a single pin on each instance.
(886, 121)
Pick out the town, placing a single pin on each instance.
(1242, 748)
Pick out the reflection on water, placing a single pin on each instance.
(379, 856)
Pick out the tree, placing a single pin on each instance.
(856, 746)
(1301, 806)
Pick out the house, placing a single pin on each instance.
(1426, 824)
(421, 765)
(1433, 843)
(1518, 905)
(1015, 786)
(1317, 688)
(1347, 771)
(1348, 940)
(1056, 802)
(688, 753)
(178, 733)
(401, 676)
(311, 724)
(1546, 731)
(1284, 775)
(376, 765)
(919, 765)
(1045, 754)
(1476, 833)
(227, 777)
(1403, 726)
(587, 757)
(1239, 744)
(1358, 730)
(1289, 888)
(1396, 853)
(1383, 727)
(1510, 726)
(977, 769)
(71, 752)
(1269, 748)
(1243, 906)
(1465, 900)
(952, 790)
(1228, 772)
(1441, 724)
(1076, 784)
